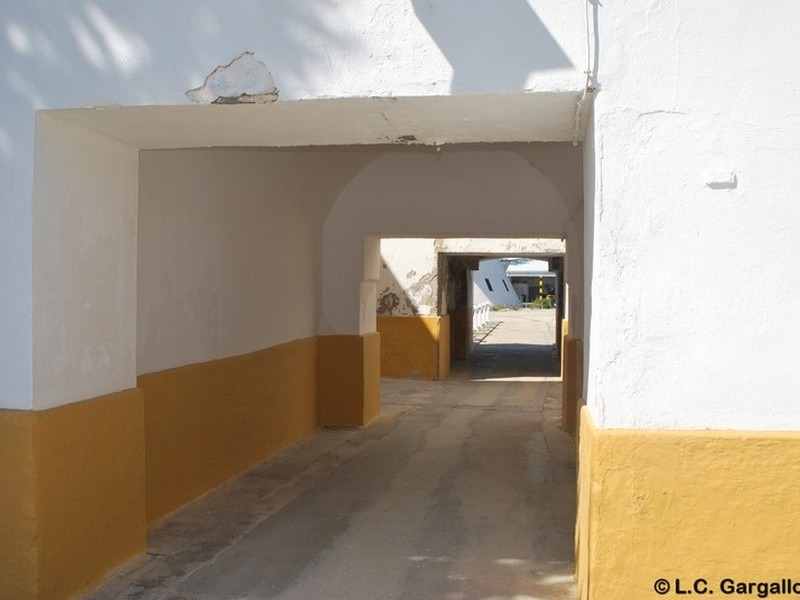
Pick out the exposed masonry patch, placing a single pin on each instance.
(424, 290)
(245, 80)
(387, 303)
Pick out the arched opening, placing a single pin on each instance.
(507, 191)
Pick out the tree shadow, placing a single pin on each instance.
(492, 47)
(100, 53)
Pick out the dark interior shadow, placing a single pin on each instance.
(502, 361)
(491, 46)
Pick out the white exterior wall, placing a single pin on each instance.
(693, 147)
(697, 145)
(111, 52)
(409, 273)
(495, 272)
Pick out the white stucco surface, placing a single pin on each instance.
(84, 265)
(229, 253)
(691, 153)
(107, 53)
(409, 282)
(698, 93)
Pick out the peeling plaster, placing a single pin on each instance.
(245, 80)
(387, 303)
(406, 139)
(409, 279)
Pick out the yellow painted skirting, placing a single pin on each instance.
(572, 383)
(415, 347)
(685, 506)
(18, 557)
(349, 379)
(80, 484)
(72, 494)
(208, 422)
(444, 347)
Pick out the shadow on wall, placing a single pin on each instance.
(110, 53)
(491, 46)
(417, 297)
(393, 301)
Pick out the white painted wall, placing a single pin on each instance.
(84, 265)
(690, 94)
(229, 252)
(592, 182)
(409, 281)
(453, 192)
(495, 271)
(112, 52)
(697, 143)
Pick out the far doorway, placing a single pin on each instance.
(516, 322)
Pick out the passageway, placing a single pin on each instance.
(463, 489)
(519, 345)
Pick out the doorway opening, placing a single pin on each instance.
(516, 319)
(445, 304)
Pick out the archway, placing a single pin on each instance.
(459, 191)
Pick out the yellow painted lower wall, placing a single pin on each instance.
(415, 347)
(444, 347)
(686, 511)
(80, 484)
(208, 422)
(572, 383)
(90, 498)
(349, 379)
(18, 557)
(72, 493)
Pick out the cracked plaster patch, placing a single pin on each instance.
(245, 80)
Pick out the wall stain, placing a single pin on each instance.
(387, 303)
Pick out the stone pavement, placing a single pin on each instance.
(462, 489)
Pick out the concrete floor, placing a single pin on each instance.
(463, 489)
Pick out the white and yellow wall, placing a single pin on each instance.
(689, 437)
(229, 361)
(145, 357)
(417, 194)
(185, 316)
(413, 324)
(416, 295)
